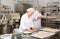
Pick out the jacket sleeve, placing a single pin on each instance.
(22, 24)
(36, 15)
(32, 25)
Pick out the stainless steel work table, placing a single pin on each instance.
(43, 33)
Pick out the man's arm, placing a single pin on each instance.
(39, 17)
(22, 23)
(34, 29)
(29, 30)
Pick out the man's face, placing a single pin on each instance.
(39, 9)
(31, 13)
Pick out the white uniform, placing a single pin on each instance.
(26, 22)
(37, 22)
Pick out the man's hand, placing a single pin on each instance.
(29, 30)
(39, 17)
(34, 29)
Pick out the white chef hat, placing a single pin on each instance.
(30, 9)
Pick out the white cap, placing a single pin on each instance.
(30, 9)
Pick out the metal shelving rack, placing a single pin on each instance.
(50, 7)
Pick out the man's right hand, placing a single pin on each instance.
(29, 30)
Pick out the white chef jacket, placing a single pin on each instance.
(37, 22)
(25, 22)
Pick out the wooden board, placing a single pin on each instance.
(50, 29)
(42, 34)
(49, 17)
(56, 20)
